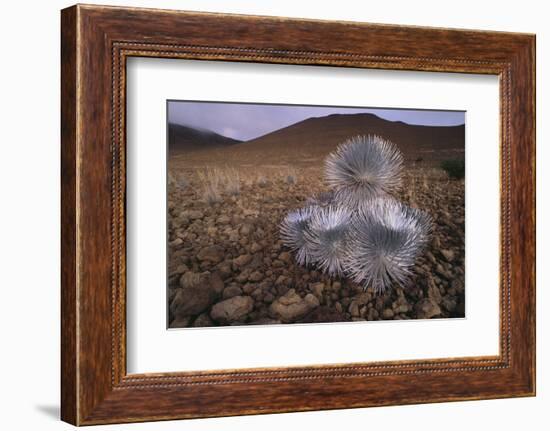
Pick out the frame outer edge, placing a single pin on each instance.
(529, 62)
(533, 54)
(523, 216)
(87, 399)
(69, 411)
(532, 100)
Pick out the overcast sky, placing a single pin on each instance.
(247, 121)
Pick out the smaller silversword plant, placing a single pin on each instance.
(386, 238)
(327, 237)
(293, 233)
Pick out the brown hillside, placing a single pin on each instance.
(183, 138)
(312, 139)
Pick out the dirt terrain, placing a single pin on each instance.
(228, 266)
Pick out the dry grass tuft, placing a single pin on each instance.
(213, 182)
(210, 180)
(232, 181)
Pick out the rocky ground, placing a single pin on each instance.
(227, 265)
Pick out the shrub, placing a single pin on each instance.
(171, 180)
(177, 181)
(182, 182)
(262, 180)
(454, 168)
(291, 176)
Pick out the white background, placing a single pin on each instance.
(29, 216)
(151, 348)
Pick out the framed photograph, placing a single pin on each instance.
(322, 214)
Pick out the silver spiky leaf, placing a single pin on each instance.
(363, 168)
(327, 236)
(293, 228)
(386, 238)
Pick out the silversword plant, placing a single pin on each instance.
(327, 237)
(293, 233)
(363, 168)
(358, 229)
(386, 238)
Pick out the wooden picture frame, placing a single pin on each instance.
(95, 43)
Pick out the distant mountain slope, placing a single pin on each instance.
(319, 136)
(310, 141)
(184, 138)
